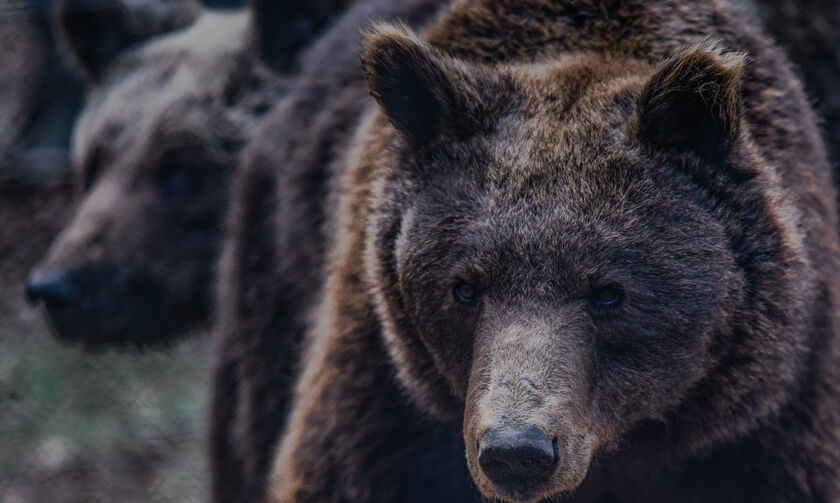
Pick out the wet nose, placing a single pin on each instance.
(508, 455)
(52, 287)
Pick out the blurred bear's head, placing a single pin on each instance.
(174, 93)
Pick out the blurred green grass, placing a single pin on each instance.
(119, 426)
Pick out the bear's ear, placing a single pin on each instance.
(424, 94)
(282, 27)
(95, 32)
(693, 102)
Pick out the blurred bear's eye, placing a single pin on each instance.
(606, 298)
(466, 294)
(178, 179)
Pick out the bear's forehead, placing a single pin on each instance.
(144, 106)
(578, 234)
(169, 86)
(563, 158)
(569, 135)
(579, 166)
(591, 192)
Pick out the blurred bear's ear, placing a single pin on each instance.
(424, 94)
(95, 32)
(693, 102)
(282, 27)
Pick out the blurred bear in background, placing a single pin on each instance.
(809, 31)
(173, 93)
(39, 95)
(39, 99)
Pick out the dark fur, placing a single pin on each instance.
(540, 151)
(31, 215)
(96, 32)
(39, 97)
(271, 267)
(285, 26)
(808, 32)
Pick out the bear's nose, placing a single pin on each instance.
(52, 287)
(511, 456)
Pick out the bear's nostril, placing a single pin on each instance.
(511, 456)
(52, 287)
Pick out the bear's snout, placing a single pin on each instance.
(517, 456)
(54, 288)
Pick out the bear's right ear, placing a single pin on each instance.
(693, 102)
(282, 27)
(424, 94)
(95, 32)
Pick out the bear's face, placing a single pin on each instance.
(576, 297)
(154, 150)
(541, 251)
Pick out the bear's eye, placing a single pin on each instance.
(606, 298)
(466, 294)
(178, 179)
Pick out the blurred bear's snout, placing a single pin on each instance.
(53, 288)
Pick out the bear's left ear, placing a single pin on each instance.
(96, 32)
(424, 94)
(693, 102)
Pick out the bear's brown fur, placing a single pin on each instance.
(174, 93)
(576, 230)
(270, 272)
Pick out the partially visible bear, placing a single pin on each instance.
(38, 101)
(271, 269)
(591, 245)
(808, 32)
(174, 93)
(39, 97)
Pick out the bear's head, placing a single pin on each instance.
(577, 253)
(173, 95)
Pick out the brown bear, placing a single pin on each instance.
(39, 97)
(270, 271)
(807, 32)
(591, 245)
(174, 93)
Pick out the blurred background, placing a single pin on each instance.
(125, 424)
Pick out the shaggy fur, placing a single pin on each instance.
(271, 267)
(155, 149)
(543, 156)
